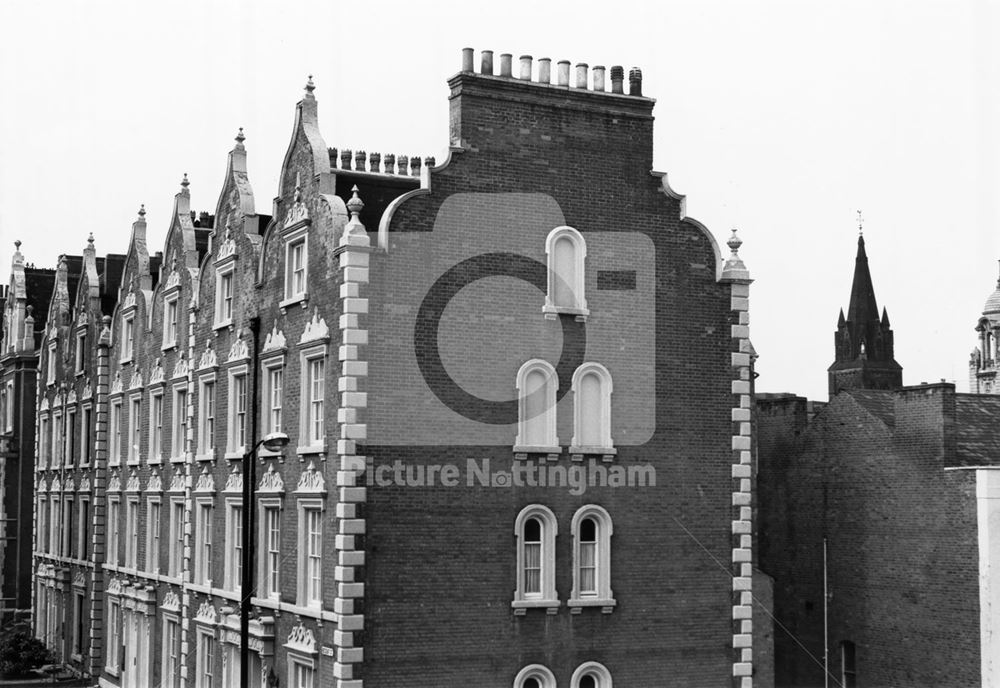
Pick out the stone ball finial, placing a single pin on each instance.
(184, 182)
(240, 138)
(17, 244)
(355, 205)
(734, 242)
(142, 207)
(90, 240)
(310, 86)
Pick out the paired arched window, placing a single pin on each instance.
(535, 529)
(591, 675)
(592, 532)
(535, 676)
(536, 394)
(591, 408)
(566, 252)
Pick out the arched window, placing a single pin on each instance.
(535, 676)
(535, 530)
(536, 407)
(591, 675)
(592, 531)
(591, 408)
(566, 252)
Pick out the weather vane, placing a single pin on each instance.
(861, 222)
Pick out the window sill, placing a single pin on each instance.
(233, 455)
(606, 453)
(553, 312)
(520, 607)
(79, 373)
(263, 453)
(521, 452)
(302, 298)
(311, 449)
(111, 670)
(132, 462)
(155, 462)
(210, 456)
(176, 459)
(576, 605)
(167, 346)
(220, 324)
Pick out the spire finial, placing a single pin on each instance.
(355, 205)
(90, 240)
(310, 86)
(142, 207)
(17, 244)
(184, 182)
(861, 224)
(240, 138)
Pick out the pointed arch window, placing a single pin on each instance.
(535, 676)
(592, 410)
(592, 530)
(537, 384)
(591, 675)
(566, 252)
(535, 530)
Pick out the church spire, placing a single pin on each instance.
(863, 343)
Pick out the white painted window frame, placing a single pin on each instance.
(306, 506)
(154, 534)
(542, 674)
(603, 596)
(551, 443)
(222, 273)
(596, 670)
(234, 528)
(579, 308)
(206, 440)
(547, 597)
(179, 421)
(234, 449)
(265, 586)
(171, 302)
(308, 443)
(606, 445)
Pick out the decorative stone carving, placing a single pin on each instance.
(116, 384)
(81, 317)
(171, 602)
(228, 247)
(177, 482)
(155, 483)
(129, 301)
(315, 330)
(234, 482)
(208, 358)
(239, 350)
(180, 367)
(44, 406)
(69, 485)
(132, 484)
(207, 613)
(156, 374)
(173, 280)
(271, 481)
(136, 381)
(84, 484)
(206, 481)
(56, 487)
(298, 212)
(301, 639)
(79, 580)
(115, 482)
(311, 480)
(275, 340)
(42, 486)
(71, 397)
(88, 393)
(114, 587)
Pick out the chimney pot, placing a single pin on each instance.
(581, 75)
(635, 82)
(390, 163)
(359, 161)
(526, 67)
(505, 59)
(403, 165)
(467, 59)
(617, 79)
(375, 162)
(345, 159)
(599, 78)
(486, 62)
(415, 166)
(544, 70)
(563, 73)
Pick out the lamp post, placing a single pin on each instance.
(275, 442)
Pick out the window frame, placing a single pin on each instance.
(232, 573)
(603, 596)
(269, 585)
(237, 375)
(56, 441)
(204, 636)
(308, 442)
(171, 327)
(606, 389)
(127, 352)
(224, 274)
(132, 533)
(539, 672)
(154, 534)
(83, 516)
(204, 523)
(114, 528)
(115, 431)
(51, 352)
(179, 421)
(113, 649)
(207, 449)
(9, 410)
(175, 549)
(551, 440)
(66, 528)
(134, 454)
(156, 425)
(86, 433)
(44, 439)
(307, 507)
(297, 661)
(69, 437)
(270, 366)
(578, 288)
(596, 670)
(80, 353)
(547, 597)
(171, 673)
(79, 607)
(292, 239)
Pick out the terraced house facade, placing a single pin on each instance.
(516, 387)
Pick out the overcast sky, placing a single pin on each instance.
(779, 118)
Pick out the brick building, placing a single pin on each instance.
(889, 498)
(25, 307)
(984, 361)
(517, 391)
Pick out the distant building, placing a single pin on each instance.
(892, 498)
(985, 360)
(536, 309)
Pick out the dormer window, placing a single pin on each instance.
(566, 252)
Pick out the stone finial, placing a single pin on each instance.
(734, 270)
(355, 205)
(429, 161)
(861, 224)
(185, 183)
(142, 206)
(90, 240)
(240, 138)
(310, 87)
(17, 244)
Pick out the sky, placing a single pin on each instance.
(781, 119)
